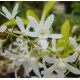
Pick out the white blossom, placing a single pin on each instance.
(9, 15)
(60, 65)
(42, 30)
(3, 28)
(29, 63)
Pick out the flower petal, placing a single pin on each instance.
(17, 32)
(10, 55)
(49, 70)
(49, 21)
(42, 20)
(15, 10)
(7, 13)
(27, 68)
(60, 74)
(71, 58)
(43, 43)
(73, 41)
(49, 59)
(73, 69)
(33, 22)
(29, 33)
(35, 68)
(20, 24)
(55, 36)
(3, 14)
(54, 44)
(3, 28)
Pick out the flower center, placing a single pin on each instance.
(42, 32)
(62, 66)
(24, 32)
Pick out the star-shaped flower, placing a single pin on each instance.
(7, 14)
(29, 63)
(60, 65)
(42, 30)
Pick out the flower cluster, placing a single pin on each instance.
(35, 47)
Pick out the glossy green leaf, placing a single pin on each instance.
(65, 31)
(13, 22)
(32, 13)
(48, 7)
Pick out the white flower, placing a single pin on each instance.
(3, 28)
(76, 47)
(21, 47)
(41, 30)
(21, 27)
(7, 14)
(20, 24)
(28, 62)
(60, 65)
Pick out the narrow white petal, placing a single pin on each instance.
(42, 19)
(29, 33)
(73, 69)
(43, 43)
(18, 63)
(54, 44)
(55, 36)
(49, 59)
(17, 32)
(60, 74)
(71, 58)
(73, 41)
(15, 10)
(7, 13)
(10, 55)
(33, 22)
(27, 68)
(35, 68)
(49, 21)
(3, 14)
(3, 28)
(49, 70)
(20, 24)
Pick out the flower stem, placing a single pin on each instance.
(30, 42)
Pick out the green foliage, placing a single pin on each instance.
(48, 7)
(65, 31)
(78, 39)
(13, 22)
(3, 41)
(67, 51)
(31, 13)
(76, 7)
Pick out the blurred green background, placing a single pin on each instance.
(63, 10)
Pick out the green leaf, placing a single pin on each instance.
(68, 51)
(78, 39)
(65, 31)
(13, 22)
(32, 13)
(3, 41)
(48, 7)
